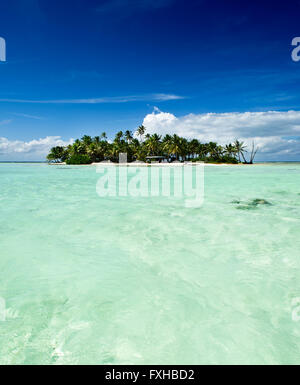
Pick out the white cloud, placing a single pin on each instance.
(117, 99)
(275, 132)
(7, 121)
(28, 116)
(36, 149)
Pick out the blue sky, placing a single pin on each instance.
(88, 66)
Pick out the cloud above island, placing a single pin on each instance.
(277, 133)
(36, 149)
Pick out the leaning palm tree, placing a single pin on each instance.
(240, 149)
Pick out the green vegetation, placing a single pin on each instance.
(88, 149)
(79, 159)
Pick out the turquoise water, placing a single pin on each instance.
(90, 280)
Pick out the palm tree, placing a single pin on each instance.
(141, 132)
(193, 147)
(240, 149)
(183, 148)
(152, 144)
(175, 146)
(137, 150)
(230, 149)
(57, 154)
(119, 136)
(78, 147)
(86, 140)
(114, 151)
(92, 152)
(203, 150)
(167, 138)
(103, 136)
(128, 136)
(212, 148)
(97, 151)
(96, 139)
(166, 145)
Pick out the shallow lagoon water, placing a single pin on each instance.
(122, 280)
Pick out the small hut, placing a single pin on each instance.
(155, 159)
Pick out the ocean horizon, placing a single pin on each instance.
(45, 161)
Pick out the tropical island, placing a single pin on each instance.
(147, 148)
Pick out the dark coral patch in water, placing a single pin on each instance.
(236, 202)
(246, 207)
(252, 204)
(257, 202)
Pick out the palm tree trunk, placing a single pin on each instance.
(244, 157)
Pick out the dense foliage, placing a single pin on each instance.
(138, 147)
(79, 159)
